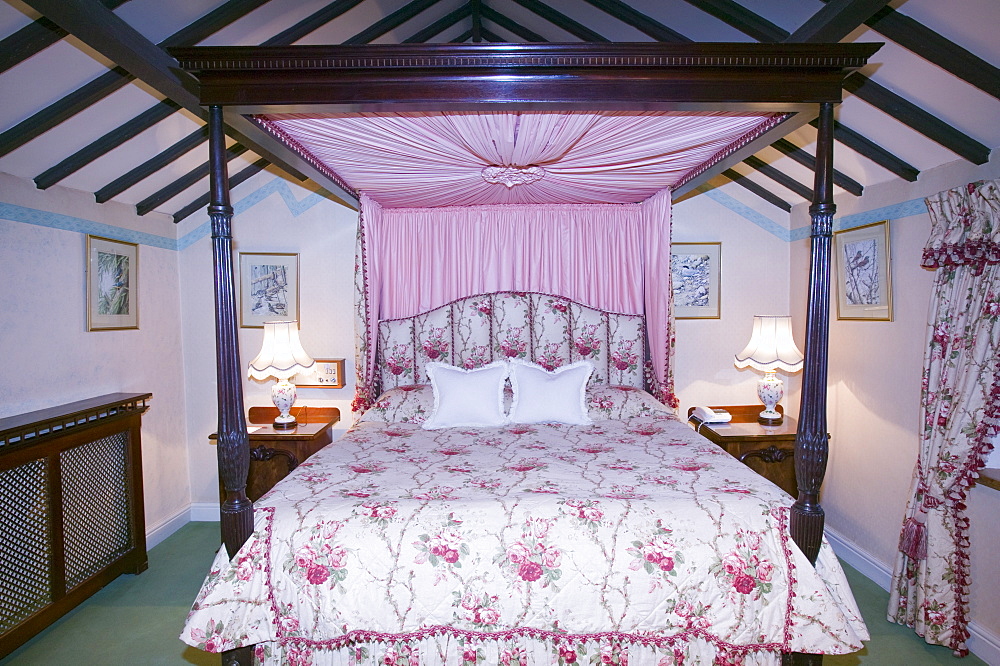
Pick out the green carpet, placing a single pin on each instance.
(136, 619)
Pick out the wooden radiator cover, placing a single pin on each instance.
(71, 515)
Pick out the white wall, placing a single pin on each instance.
(281, 220)
(48, 356)
(874, 381)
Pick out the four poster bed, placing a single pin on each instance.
(518, 489)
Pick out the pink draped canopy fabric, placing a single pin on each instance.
(420, 160)
(614, 257)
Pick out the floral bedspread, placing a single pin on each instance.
(633, 541)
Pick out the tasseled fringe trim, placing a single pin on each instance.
(913, 540)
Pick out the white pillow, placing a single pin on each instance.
(467, 398)
(541, 396)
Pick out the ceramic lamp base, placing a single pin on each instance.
(283, 395)
(770, 390)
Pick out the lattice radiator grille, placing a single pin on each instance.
(25, 542)
(96, 519)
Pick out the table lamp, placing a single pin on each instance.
(281, 356)
(771, 348)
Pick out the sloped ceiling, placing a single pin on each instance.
(89, 103)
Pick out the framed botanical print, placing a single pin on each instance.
(112, 284)
(269, 288)
(864, 280)
(696, 275)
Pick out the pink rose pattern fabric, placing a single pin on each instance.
(548, 330)
(623, 542)
(960, 405)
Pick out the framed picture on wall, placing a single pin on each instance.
(696, 274)
(864, 281)
(269, 288)
(112, 284)
(329, 374)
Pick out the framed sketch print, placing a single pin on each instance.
(112, 284)
(695, 271)
(329, 374)
(864, 283)
(269, 288)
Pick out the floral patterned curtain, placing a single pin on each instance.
(960, 400)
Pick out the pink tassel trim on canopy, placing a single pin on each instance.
(913, 539)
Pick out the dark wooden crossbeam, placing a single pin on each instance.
(202, 202)
(391, 22)
(152, 165)
(779, 177)
(35, 37)
(116, 40)
(805, 159)
(836, 20)
(505, 22)
(477, 20)
(917, 118)
(106, 143)
(761, 192)
(439, 26)
(461, 39)
(931, 46)
(638, 20)
(67, 107)
(873, 151)
(491, 36)
(742, 19)
(187, 180)
(562, 21)
(312, 22)
(107, 83)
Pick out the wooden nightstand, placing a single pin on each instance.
(275, 453)
(767, 450)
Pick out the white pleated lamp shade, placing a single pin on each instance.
(281, 354)
(771, 346)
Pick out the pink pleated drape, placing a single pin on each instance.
(610, 256)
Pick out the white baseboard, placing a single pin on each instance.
(982, 642)
(195, 512)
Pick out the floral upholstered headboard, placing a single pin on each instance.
(549, 330)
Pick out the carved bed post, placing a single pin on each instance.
(811, 443)
(236, 512)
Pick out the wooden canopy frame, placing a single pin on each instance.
(797, 79)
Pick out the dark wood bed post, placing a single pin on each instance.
(811, 443)
(236, 512)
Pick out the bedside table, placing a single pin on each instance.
(767, 450)
(275, 453)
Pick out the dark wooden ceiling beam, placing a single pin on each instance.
(477, 20)
(439, 26)
(742, 19)
(562, 21)
(67, 107)
(779, 177)
(152, 165)
(117, 78)
(461, 39)
(511, 25)
(167, 193)
(34, 38)
(761, 192)
(788, 148)
(201, 203)
(105, 32)
(638, 20)
(836, 20)
(312, 22)
(490, 36)
(106, 143)
(873, 151)
(934, 48)
(392, 21)
(917, 118)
